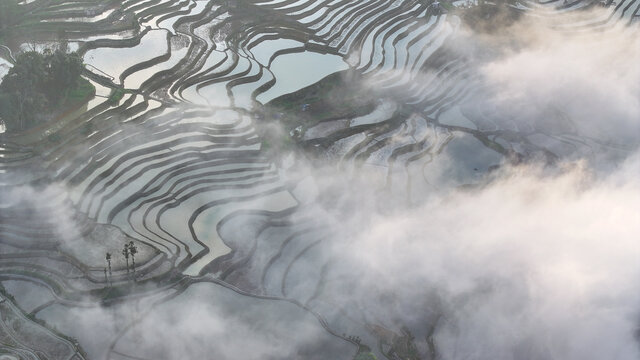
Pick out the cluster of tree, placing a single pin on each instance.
(129, 250)
(37, 84)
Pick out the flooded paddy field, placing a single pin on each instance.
(273, 179)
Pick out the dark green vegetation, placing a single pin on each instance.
(41, 86)
(339, 95)
(490, 17)
(116, 95)
(364, 353)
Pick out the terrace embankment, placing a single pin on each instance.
(176, 154)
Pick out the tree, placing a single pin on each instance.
(63, 72)
(20, 91)
(63, 39)
(36, 85)
(125, 252)
(133, 250)
(108, 257)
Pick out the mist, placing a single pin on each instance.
(591, 77)
(530, 265)
(510, 231)
(535, 260)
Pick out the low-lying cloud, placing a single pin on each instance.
(591, 77)
(535, 261)
(535, 264)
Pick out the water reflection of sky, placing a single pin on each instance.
(114, 61)
(296, 71)
(465, 160)
(4, 68)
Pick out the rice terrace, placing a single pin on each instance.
(320, 179)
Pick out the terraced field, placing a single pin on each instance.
(180, 152)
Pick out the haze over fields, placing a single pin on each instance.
(319, 179)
